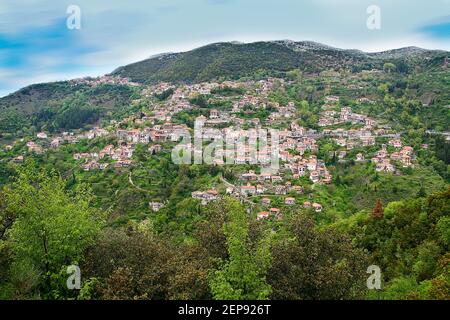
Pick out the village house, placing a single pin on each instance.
(298, 169)
(317, 207)
(18, 159)
(260, 189)
(42, 135)
(314, 176)
(122, 153)
(56, 142)
(384, 166)
(276, 179)
(274, 211)
(367, 141)
(351, 144)
(106, 151)
(248, 190)
(341, 142)
(205, 197)
(214, 114)
(229, 190)
(33, 147)
(327, 178)
(91, 165)
(249, 176)
(156, 206)
(264, 176)
(95, 133)
(123, 163)
(262, 215)
(406, 156)
(289, 201)
(396, 143)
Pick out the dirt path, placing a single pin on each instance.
(135, 186)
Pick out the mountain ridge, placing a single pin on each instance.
(219, 60)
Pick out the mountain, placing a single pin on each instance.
(235, 60)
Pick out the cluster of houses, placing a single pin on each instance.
(122, 155)
(264, 183)
(107, 79)
(217, 118)
(275, 212)
(318, 173)
(382, 158)
(248, 100)
(282, 112)
(267, 85)
(346, 115)
(205, 196)
(350, 144)
(158, 133)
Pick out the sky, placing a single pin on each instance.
(36, 44)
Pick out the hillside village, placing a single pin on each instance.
(158, 129)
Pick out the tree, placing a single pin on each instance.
(389, 67)
(243, 276)
(131, 264)
(310, 264)
(378, 212)
(209, 233)
(421, 193)
(408, 246)
(53, 226)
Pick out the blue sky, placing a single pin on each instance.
(36, 46)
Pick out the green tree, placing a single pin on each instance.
(389, 67)
(243, 276)
(52, 227)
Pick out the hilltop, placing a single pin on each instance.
(235, 60)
